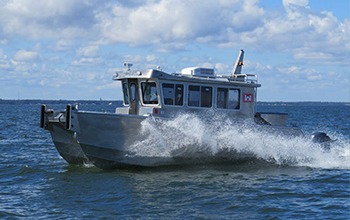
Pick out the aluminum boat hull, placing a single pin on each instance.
(107, 140)
(67, 145)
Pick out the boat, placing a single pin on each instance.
(153, 97)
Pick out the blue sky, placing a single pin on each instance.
(66, 49)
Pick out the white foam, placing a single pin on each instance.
(189, 135)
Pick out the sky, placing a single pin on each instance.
(67, 49)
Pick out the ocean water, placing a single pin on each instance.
(288, 179)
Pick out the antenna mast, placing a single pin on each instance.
(237, 66)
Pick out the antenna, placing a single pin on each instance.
(237, 66)
(128, 65)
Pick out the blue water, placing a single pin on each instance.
(36, 183)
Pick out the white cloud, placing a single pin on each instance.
(88, 62)
(5, 64)
(89, 51)
(295, 2)
(4, 41)
(112, 71)
(37, 19)
(206, 65)
(1, 54)
(314, 77)
(68, 38)
(170, 47)
(62, 45)
(248, 18)
(223, 68)
(14, 62)
(130, 58)
(313, 56)
(172, 24)
(24, 55)
(90, 76)
(36, 47)
(296, 70)
(194, 59)
(322, 22)
(150, 57)
(189, 20)
(23, 68)
(113, 85)
(55, 59)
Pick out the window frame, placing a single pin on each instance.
(142, 95)
(133, 95)
(175, 86)
(125, 88)
(239, 104)
(200, 96)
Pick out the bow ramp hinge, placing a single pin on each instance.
(68, 117)
(72, 123)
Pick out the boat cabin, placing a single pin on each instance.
(157, 93)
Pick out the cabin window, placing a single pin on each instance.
(179, 94)
(173, 94)
(206, 94)
(193, 95)
(228, 98)
(200, 96)
(125, 94)
(168, 93)
(133, 91)
(149, 93)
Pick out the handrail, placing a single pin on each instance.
(254, 80)
(246, 78)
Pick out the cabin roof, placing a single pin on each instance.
(238, 79)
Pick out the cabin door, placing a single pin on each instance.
(133, 96)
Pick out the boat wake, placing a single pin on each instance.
(192, 138)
